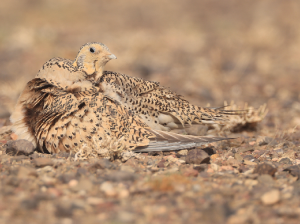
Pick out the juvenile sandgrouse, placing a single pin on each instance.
(158, 107)
(62, 109)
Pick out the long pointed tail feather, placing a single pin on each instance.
(167, 141)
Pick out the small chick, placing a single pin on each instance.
(157, 106)
(88, 65)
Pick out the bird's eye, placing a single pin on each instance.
(92, 49)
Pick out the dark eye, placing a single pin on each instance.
(92, 49)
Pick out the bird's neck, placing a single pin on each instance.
(98, 73)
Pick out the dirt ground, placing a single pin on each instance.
(208, 51)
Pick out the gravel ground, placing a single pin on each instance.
(209, 52)
(253, 179)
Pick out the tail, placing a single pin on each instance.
(221, 110)
(167, 141)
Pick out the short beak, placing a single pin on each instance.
(112, 56)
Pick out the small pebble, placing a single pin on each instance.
(238, 157)
(248, 162)
(270, 197)
(118, 176)
(161, 164)
(73, 183)
(249, 158)
(42, 162)
(108, 189)
(266, 179)
(94, 200)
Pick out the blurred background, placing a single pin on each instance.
(208, 51)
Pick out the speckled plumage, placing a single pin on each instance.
(64, 108)
(158, 107)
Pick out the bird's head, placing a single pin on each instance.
(92, 57)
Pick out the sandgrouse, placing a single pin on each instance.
(71, 104)
(158, 107)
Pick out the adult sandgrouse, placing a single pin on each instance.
(61, 109)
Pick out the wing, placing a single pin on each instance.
(160, 108)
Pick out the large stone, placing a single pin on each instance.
(293, 170)
(286, 161)
(84, 184)
(118, 176)
(265, 168)
(100, 164)
(19, 147)
(197, 156)
(24, 172)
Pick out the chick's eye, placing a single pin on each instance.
(92, 49)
